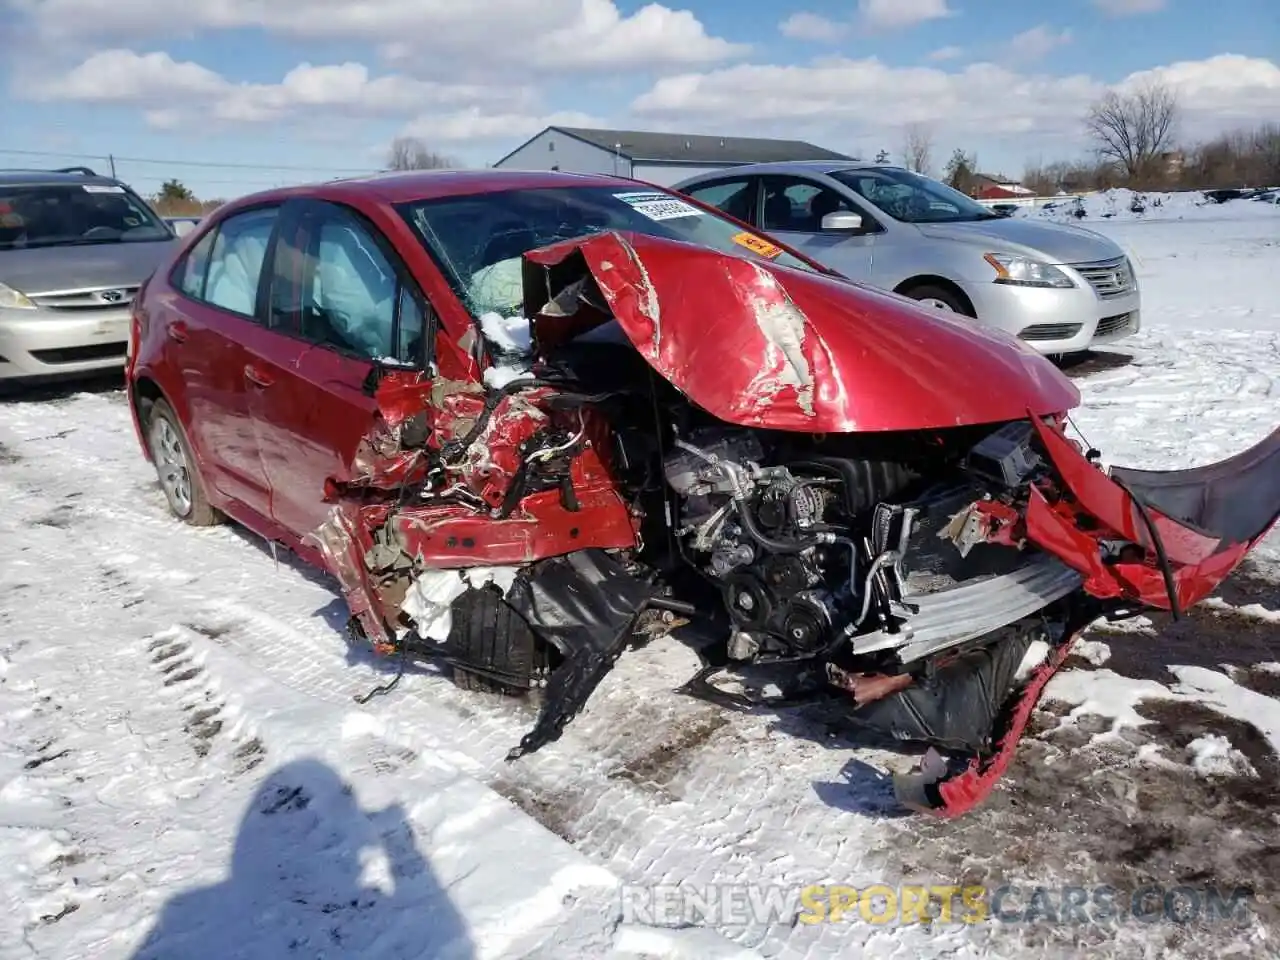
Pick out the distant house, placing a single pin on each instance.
(998, 187)
(662, 158)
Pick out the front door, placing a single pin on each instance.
(793, 208)
(338, 297)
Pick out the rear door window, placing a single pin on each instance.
(194, 269)
(235, 263)
(736, 197)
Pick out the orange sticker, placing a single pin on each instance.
(757, 245)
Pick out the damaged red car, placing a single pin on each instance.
(528, 420)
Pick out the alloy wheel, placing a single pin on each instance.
(171, 465)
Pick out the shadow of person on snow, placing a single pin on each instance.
(296, 887)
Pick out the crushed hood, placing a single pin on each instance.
(761, 345)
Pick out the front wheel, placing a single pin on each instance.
(176, 469)
(939, 298)
(488, 633)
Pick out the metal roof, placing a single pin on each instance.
(647, 146)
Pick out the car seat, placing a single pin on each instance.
(777, 212)
(822, 203)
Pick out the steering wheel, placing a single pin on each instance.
(100, 233)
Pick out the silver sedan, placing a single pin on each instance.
(1059, 288)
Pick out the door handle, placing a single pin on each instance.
(257, 377)
(177, 332)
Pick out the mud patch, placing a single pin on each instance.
(558, 813)
(1207, 637)
(657, 767)
(1097, 816)
(1265, 682)
(1178, 724)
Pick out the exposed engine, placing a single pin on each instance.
(778, 539)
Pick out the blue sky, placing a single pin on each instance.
(234, 95)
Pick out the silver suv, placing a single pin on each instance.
(1058, 288)
(74, 248)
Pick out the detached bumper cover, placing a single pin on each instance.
(1192, 527)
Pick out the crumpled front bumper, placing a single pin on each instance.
(1180, 532)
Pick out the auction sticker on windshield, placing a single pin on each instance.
(658, 206)
(101, 188)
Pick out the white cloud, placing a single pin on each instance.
(898, 14)
(473, 124)
(1223, 91)
(1038, 42)
(1129, 8)
(176, 94)
(438, 37)
(946, 53)
(812, 26)
(1027, 113)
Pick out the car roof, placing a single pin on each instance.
(408, 186)
(795, 166)
(45, 178)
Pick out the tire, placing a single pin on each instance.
(939, 298)
(489, 633)
(176, 468)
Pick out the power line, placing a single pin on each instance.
(210, 164)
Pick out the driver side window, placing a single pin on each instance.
(798, 206)
(335, 286)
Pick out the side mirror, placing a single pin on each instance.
(842, 220)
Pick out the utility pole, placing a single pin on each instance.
(112, 160)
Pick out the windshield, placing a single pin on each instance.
(72, 214)
(912, 198)
(478, 240)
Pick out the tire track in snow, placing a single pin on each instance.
(184, 722)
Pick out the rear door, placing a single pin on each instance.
(337, 298)
(210, 321)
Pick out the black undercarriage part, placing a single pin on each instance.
(589, 607)
(957, 706)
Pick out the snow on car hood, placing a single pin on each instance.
(1050, 242)
(768, 346)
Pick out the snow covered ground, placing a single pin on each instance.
(184, 772)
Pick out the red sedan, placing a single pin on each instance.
(529, 419)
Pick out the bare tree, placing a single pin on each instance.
(1134, 129)
(410, 153)
(917, 148)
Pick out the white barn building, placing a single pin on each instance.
(661, 158)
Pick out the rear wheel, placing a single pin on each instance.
(490, 634)
(940, 298)
(176, 467)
